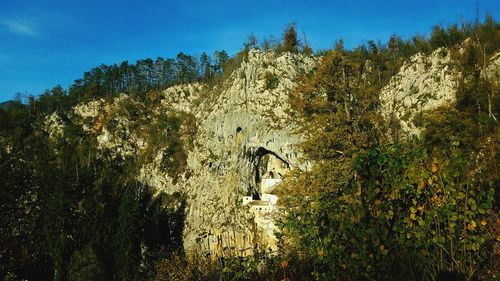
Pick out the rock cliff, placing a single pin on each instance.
(422, 83)
(238, 132)
(427, 82)
(243, 119)
(238, 124)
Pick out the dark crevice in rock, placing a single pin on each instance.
(257, 158)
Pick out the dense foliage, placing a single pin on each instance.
(68, 214)
(147, 75)
(395, 209)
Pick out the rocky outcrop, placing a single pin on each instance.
(492, 71)
(54, 126)
(423, 83)
(241, 121)
(427, 82)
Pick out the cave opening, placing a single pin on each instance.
(261, 160)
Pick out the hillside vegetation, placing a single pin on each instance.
(385, 193)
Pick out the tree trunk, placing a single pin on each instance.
(490, 90)
(347, 96)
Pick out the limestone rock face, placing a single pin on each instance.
(244, 133)
(54, 126)
(243, 120)
(492, 71)
(244, 139)
(426, 83)
(182, 97)
(422, 83)
(113, 124)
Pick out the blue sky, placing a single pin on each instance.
(48, 42)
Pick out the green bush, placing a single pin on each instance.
(272, 81)
(84, 265)
(407, 216)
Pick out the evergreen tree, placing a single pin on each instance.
(206, 67)
(290, 39)
(220, 60)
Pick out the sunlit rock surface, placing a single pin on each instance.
(245, 140)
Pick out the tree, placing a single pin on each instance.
(169, 72)
(127, 240)
(220, 60)
(339, 45)
(341, 121)
(334, 76)
(251, 42)
(187, 70)
(290, 40)
(206, 67)
(306, 49)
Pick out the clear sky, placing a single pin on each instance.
(48, 42)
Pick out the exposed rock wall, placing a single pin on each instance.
(422, 83)
(492, 73)
(426, 82)
(242, 115)
(237, 123)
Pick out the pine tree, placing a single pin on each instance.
(290, 40)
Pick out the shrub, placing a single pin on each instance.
(272, 81)
(84, 265)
